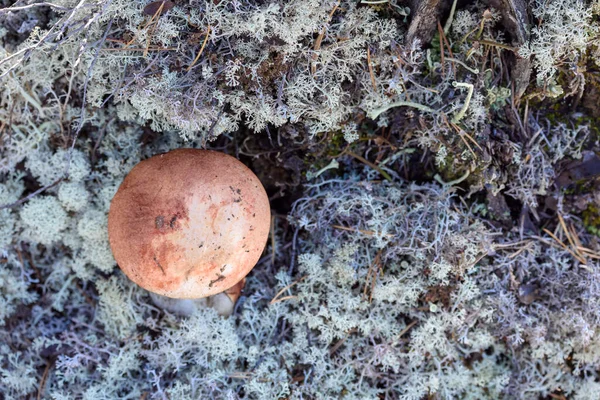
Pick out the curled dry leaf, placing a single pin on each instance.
(152, 8)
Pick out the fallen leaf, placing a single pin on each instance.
(152, 8)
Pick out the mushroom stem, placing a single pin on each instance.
(223, 303)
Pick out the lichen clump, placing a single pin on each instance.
(434, 228)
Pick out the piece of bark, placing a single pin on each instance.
(521, 73)
(514, 19)
(498, 209)
(516, 24)
(578, 171)
(424, 16)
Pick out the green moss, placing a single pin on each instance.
(335, 144)
(591, 219)
(580, 187)
(450, 171)
(321, 154)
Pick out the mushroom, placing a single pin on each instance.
(189, 224)
(223, 302)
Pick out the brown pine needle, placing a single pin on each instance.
(153, 27)
(240, 375)
(547, 243)
(593, 256)
(564, 246)
(275, 299)
(462, 133)
(370, 164)
(587, 249)
(471, 139)
(568, 234)
(319, 40)
(443, 37)
(589, 253)
(522, 249)
(468, 146)
(156, 14)
(374, 282)
(148, 48)
(575, 237)
(373, 82)
(442, 49)
(201, 49)
(560, 242)
(283, 299)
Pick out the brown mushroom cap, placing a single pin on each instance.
(189, 223)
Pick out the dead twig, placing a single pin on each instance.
(31, 195)
(97, 144)
(19, 8)
(364, 232)
(370, 164)
(40, 392)
(408, 327)
(341, 341)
